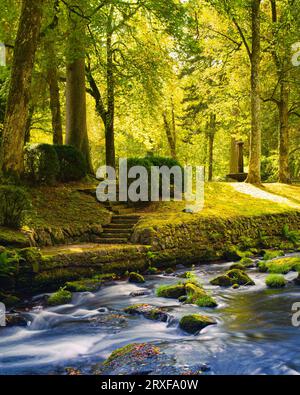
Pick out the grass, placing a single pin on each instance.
(64, 206)
(221, 201)
(60, 297)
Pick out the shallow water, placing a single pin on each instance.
(254, 334)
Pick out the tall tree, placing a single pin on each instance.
(12, 160)
(76, 118)
(254, 176)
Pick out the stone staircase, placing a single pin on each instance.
(119, 230)
(123, 221)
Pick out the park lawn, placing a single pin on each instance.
(221, 201)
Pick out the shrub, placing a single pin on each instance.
(14, 202)
(275, 281)
(291, 235)
(41, 164)
(71, 162)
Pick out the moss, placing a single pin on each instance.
(246, 262)
(195, 322)
(284, 265)
(232, 254)
(171, 291)
(235, 286)
(232, 277)
(60, 297)
(13, 238)
(206, 301)
(170, 270)
(136, 278)
(138, 350)
(88, 285)
(148, 311)
(262, 267)
(271, 254)
(276, 281)
(32, 256)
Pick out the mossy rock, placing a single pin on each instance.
(232, 254)
(197, 295)
(247, 262)
(88, 285)
(195, 322)
(276, 281)
(13, 238)
(262, 267)
(171, 291)
(284, 265)
(272, 254)
(138, 351)
(232, 277)
(206, 301)
(136, 278)
(151, 312)
(60, 297)
(152, 270)
(235, 286)
(170, 270)
(32, 256)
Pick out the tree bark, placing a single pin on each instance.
(254, 176)
(76, 123)
(110, 116)
(211, 140)
(28, 124)
(55, 100)
(76, 119)
(283, 106)
(12, 156)
(170, 135)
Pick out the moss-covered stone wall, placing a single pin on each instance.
(210, 238)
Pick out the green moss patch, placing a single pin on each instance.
(60, 297)
(136, 278)
(195, 322)
(276, 281)
(281, 265)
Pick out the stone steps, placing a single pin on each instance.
(119, 230)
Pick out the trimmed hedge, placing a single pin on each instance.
(72, 163)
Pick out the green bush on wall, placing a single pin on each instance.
(41, 164)
(14, 202)
(72, 163)
(150, 161)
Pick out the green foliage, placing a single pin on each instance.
(275, 281)
(269, 168)
(41, 164)
(72, 165)
(291, 235)
(62, 296)
(233, 276)
(14, 202)
(8, 269)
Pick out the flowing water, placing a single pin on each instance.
(253, 335)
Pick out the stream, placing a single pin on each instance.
(253, 335)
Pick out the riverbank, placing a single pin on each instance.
(231, 226)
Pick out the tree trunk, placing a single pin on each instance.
(110, 116)
(254, 176)
(12, 157)
(170, 135)
(55, 103)
(28, 124)
(76, 124)
(211, 140)
(284, 171)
